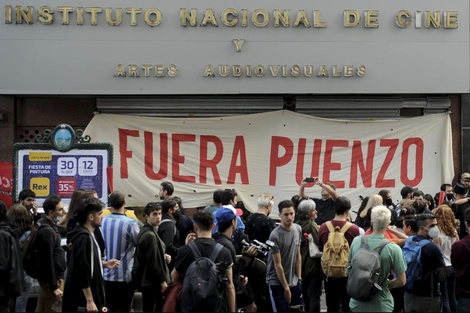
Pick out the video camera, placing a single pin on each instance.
(222, 267)
(262, 248)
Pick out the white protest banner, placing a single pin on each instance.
(272, 152)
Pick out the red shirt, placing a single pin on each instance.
(352, 232)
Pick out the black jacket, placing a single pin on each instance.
(84, 270)
(11, 269)
(52, 256)
(170, 235)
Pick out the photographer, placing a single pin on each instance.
(251, 265)
(226, 219)
(325, 204)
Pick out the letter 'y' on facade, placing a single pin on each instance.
(238, 44)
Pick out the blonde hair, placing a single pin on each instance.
(374, 200)
(380, 217)
(264, 200)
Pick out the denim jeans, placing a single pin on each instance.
(447, 287)
(22, 299)
(278, 301)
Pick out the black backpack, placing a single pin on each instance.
(11, 274)
(201, 288)
(31, 254)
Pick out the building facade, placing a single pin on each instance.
(63, 62)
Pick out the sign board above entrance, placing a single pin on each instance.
(229, 47)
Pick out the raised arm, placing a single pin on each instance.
(302, 193)
(333, 194)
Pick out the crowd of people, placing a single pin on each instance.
(265, 264)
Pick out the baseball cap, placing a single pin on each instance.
(465, 176)
(223, 215)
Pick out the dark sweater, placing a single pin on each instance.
(52, 256)
(11, 269)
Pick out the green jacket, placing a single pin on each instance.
(310, 265)
(150, 268)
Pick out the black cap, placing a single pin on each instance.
(460, 189)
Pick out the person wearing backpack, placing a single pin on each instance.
(426, 270)
(340, 233)
(363, 266)
(22, 223)
(51, 255)
(185, 258)
(11, 271)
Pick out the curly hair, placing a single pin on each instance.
(446, 220)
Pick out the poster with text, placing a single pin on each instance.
(49, 172)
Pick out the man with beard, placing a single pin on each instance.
(120, 236)
(27, 198)
(84, 286)
(166, 190)
(51, 256)
(167, 229)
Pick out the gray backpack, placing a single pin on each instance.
(364, 272)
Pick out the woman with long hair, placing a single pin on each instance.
(21, 221)
(76, 196)
(447, 237)
(362, 218)
(70, 220)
